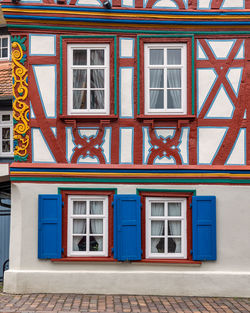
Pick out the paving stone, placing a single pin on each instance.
(77, 303)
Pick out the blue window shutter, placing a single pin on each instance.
(204, 228)
(49, 226)
(127, 227)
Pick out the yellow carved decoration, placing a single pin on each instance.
(20, 93)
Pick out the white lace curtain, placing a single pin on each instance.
(96, 79)
(96, 225)
(174, 228)
(157, 79)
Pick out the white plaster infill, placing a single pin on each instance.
(4, 170)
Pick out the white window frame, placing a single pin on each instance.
(183, 67)
(8, 47)
(104, 216)
(106, 67)
(183, 219)
(6, 124)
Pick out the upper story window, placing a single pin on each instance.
(4, 48)
(166, 224)
(6, 133)
(165, 78)
(88, 79)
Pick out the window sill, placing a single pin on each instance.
(87, 259)
(170, 261)
(109, 259)
(173, 117)
(87, 117)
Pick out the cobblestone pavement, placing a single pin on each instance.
(62, 303)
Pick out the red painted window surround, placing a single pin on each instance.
(65, 194)
(143, 194)
(65, 43)
(152, 40)
(188, 196)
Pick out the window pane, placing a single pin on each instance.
(96, 57)
(79, 243)
(157, 228)
(97, 99)
(5, 42)
(174, 99)
(157, 245)
(79, 57)
(157, 209)
(174, 228)
(174, 245)
(6, 133)
(156, 99)
(96, 226)
(174, 78)
(96, 243)
(6, 117)
(174, 209)
(156, 57)
(174, 56)
(79, 207)
(156, 78)
(4, 53)
(79, 99)
(79, 78)
(96, 207)
(79, 226)
(6, 146)
(97, 78)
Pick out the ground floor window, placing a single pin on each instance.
(166, 221)
(87, 225)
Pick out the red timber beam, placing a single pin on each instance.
(53, 142)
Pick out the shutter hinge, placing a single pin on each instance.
(141, 252)
(62, 250)
(190, 206)
(191, 252)
(112, 204)
(112, 250)
(63, 204)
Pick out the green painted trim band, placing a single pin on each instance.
(115, 75)
(138, 190)
(60, 189)
(193, 75)
(134, 180)
(60, 77)
(138, 76)
(127, 30)
(115, 65)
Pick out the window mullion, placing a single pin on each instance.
(87, 225)
(88, 80)
(165, 80)
(166, 227)
(71, 226)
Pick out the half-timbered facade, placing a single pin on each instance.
(132, 156)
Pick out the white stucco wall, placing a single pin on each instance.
(228, 276)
